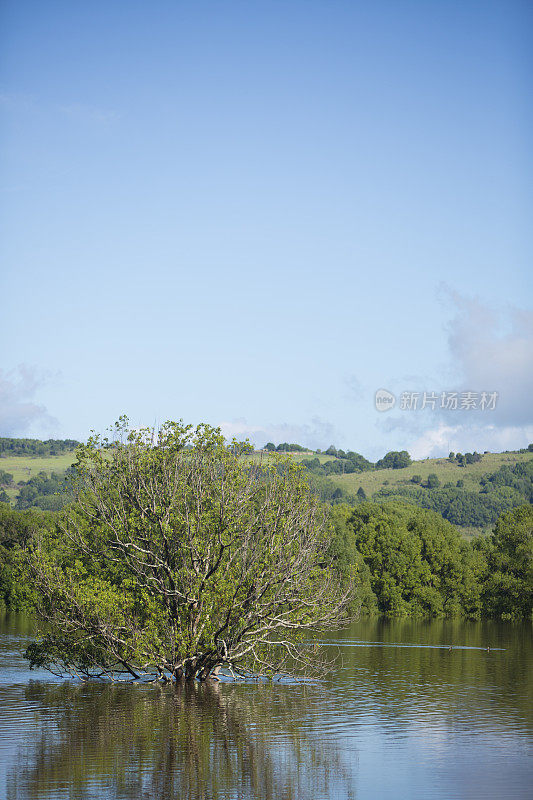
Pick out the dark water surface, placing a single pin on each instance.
(403, 716)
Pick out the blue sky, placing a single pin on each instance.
(256, 214)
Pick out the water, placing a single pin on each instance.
(402, 716)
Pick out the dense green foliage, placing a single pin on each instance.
(467, 458)
(407, 561)
(508, 592)
(350, 562)
(394, 460)
(36, 447)
(49, 493)
(518, 477)
(6, 478)
(417, 562)
(402, 560)
(326, 490)
(343, 464)
(18, 530)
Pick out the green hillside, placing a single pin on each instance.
(471, 496)
(446, 471)
(25, 467)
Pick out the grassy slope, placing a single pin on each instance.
(446, 472)
(25, 467)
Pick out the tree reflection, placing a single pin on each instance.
(187, 741)
(445, 673)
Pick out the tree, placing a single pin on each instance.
(41, 491)
(6, 478)
(394, 460)
(360, 463)
(361, 494)
(179, 557)
(415, 558)
(17, 530)
(349, 561)
(509, 589)
(433, 481)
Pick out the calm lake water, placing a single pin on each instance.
(401, 717)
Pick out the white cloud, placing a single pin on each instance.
(318, 433)
(441, 440)
(491, 350)
(18, 409)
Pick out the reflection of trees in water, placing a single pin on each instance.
(188, 741)
(463, 686)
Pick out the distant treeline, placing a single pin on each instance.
(49, 493)
(36, 447)
(285, 447)
(342, 462)
(350, 462)
(501, 491)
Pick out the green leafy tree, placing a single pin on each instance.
(394, 460)
(350, 563)
(180, 557)
(41, 491)
(6, 478)
(433, 481)
(509, 588)
(18, 529)
(416, 560)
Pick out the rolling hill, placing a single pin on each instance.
(466, 485)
